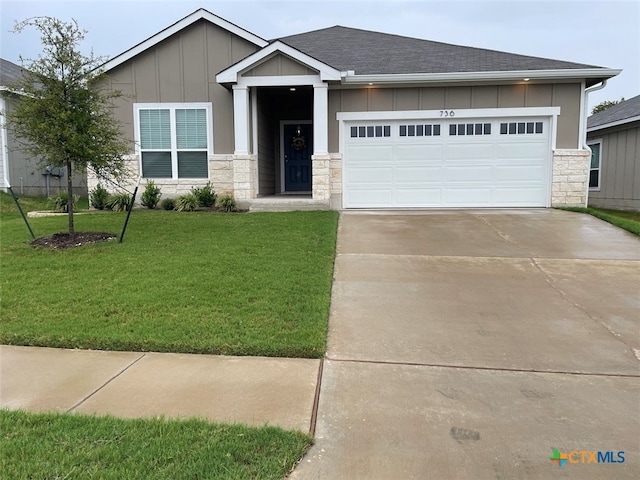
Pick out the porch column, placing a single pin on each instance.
(241, 119)
(320, 119)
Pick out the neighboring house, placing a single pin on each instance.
(26, 175)
(614, 138)
(353, 119)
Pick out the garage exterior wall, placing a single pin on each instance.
(565, 96)
(620, 167)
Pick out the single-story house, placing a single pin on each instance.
(26, 175)
(614, 138)
(351, 118)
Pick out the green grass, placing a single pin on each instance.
(56, 446)
(627, 220)
(233, 284)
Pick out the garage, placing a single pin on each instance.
(447, 162)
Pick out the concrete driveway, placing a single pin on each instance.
(471, 344)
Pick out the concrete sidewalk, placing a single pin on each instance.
(250, 390)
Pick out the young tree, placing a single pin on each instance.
(63, 116)
(602, 106)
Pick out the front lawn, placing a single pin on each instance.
(77, 446)
(233, 284)
(627, 220)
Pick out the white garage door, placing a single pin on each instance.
(496, 162)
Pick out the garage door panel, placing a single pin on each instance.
(523, 150)
(380, 197)
(411, 197)
(512, 173)
(404, 175)
(468, 174)
(368, 175)
(477, 151)
(368, 154)
(465, 196)
(421, 153)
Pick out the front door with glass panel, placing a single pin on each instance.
(297, 150)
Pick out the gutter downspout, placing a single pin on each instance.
(583, 127)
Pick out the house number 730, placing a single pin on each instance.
(447, 113)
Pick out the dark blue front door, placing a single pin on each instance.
(298, 147)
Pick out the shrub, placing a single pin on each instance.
(151, 195)
(205, 196)
(168, 204)
(187, 202)
(98, 197)
(59, 202)
(118, 202)
(226, 203)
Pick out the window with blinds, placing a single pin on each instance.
(174, 140)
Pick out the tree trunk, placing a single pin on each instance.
(72, 231)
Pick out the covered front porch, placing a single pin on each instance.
(280, 120)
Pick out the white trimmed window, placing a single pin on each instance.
(174, 140)
(595, 169)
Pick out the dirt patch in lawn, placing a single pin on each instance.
(64, 240)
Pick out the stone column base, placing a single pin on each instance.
(570, 184)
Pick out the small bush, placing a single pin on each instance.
(205, 195)
(118, 202)
(187, 203)
(226, 203)
(59, 202)
(151, 195)
(168, 204)
(98, 197)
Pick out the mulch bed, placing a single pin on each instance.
(64, 240)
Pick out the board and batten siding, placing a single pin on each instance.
(279, 65)
(620, 167)
(566, 96)
(182, 68)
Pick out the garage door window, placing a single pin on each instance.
(421, 130)
(371, 131)
(521, 128)
(470, 129)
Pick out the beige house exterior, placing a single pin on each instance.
(208, 101)
(26, 175)
(614, 138)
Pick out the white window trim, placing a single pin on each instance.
(172, 107)
(595, 141)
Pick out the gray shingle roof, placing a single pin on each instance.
(9, 72)
(368, 53)
(620, 112)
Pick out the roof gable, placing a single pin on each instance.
(200, 14)
(624, 112)
(231, 74)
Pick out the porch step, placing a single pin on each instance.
(284, 204)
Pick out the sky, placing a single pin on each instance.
(604, 33)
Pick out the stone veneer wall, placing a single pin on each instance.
(570, 178)
(221, 176)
